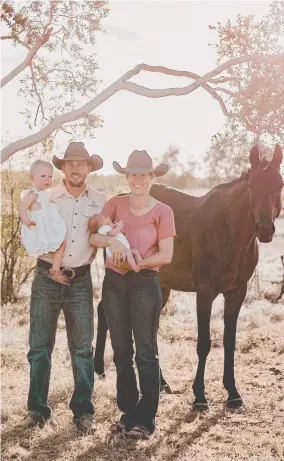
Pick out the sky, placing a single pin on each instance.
(173, 34)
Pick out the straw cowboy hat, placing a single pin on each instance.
(140, 162)
(77, 151)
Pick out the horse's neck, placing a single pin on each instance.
(240, 214)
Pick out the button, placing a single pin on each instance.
(77, 200)
(70, 256)
(74, 227)
(76, 214)
(72, 241)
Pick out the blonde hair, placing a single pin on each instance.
(38, 163)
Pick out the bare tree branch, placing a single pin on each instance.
(42, 40)
(37, 93)
(26, 62)
(57, 31)
(224, 80)
(122, 83)
(228, 92)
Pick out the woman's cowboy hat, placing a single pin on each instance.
(140, 162)
(77, 151)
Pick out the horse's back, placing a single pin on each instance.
(206, 249)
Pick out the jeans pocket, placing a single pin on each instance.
(40, 273)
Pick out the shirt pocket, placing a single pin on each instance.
(89, 211)
(91, 208)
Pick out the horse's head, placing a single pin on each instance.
(265, 185)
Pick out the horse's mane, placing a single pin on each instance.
(245, 175)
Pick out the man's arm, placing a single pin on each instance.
(93, 224)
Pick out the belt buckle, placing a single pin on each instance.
(68, 269)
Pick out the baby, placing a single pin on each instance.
(43, 230)
(103, 225)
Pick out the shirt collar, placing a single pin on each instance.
(60, 190)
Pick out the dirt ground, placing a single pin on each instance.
(255, 433)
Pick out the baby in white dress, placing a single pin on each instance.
(43, 229)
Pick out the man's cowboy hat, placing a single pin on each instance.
(77, 151)
(140, 162)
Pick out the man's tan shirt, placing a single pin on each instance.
(76, 213)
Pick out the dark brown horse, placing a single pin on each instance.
(216, 252)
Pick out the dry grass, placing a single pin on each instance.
(254, 433)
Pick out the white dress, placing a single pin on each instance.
(50, 229)
(120, 237)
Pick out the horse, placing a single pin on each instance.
(216, 252)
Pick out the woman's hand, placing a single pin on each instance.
(118, 252)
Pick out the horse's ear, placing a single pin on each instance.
(254, 156)
(277, 156)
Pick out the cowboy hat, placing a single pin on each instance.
(140, 162)
(77, 151)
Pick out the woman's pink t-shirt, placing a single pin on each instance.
(142, 232)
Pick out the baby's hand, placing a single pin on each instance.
(119, 225)
(29, 223)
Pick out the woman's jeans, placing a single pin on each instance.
(47, 299)
(132, 304)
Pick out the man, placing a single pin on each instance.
(77, 203)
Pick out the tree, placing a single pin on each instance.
(59, 69)
(181, 173)
(255, 90)
(16, 265)
(52, 121)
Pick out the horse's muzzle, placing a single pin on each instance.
(264, 229)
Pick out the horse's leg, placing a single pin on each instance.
(233, 303)
(164, 386)
(102, 329)
(204, 300)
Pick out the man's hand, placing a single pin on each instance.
(118, 252)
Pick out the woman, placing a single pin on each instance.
(132, 300)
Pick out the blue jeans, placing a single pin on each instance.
(132, 304)
(47, 299)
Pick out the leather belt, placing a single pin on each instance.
(69, 272)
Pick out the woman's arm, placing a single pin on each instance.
(164, 255)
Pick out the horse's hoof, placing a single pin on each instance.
(166, 388)
(235, 404)
(200, 406)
